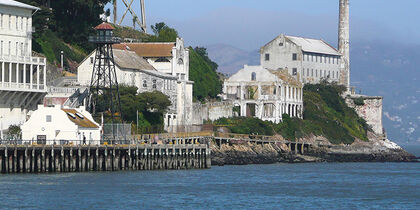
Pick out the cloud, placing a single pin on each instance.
(393, 118)
(410, 131)
(401, 107)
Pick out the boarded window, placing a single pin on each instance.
(294, 71)
(294, 56)
(48, 118)
(267, 57)
(154, 84)
(91, 60)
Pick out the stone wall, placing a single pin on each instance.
(370, 110)
(211, 111)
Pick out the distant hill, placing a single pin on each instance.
(230, 59)
(391, 70)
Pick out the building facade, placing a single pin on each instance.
(267, 94)
(170, 58)
(57, 125)
(22, 76)
(307, 60)
(133, 70)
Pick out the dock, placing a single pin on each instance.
(85, 158)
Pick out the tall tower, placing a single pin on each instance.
(115, 11)
(103, 88)
(344, 43)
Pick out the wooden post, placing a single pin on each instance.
(15, 160)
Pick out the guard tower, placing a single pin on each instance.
(104, 85)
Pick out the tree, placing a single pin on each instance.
(134, 22)
(158, 27)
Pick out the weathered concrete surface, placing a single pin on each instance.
(211, 111)
(371, 110)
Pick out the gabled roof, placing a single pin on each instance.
(313, 45)
(85, 122)
(130, 60)
(161, 49)
(17, 4)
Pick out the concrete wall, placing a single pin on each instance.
(211, 111)
(371, 111)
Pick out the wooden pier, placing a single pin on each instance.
(84, 158)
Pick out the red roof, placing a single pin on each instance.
(104, 26)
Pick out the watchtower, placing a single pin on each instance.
(104, 78)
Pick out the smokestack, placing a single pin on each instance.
(344, 43)
(115, 11)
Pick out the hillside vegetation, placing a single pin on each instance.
(325, 114)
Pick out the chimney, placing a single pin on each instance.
(344, 43)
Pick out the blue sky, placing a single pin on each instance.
(248, 24)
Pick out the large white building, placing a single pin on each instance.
(308, 60)
(57, 125)
(267, 94)
(153, 66)
(22, 76)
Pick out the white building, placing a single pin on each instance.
(49, 125)
(22, 77)
(308, 60)
(263, 93)
(159, 66)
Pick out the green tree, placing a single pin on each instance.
(163, 33)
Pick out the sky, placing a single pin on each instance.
(249, 24)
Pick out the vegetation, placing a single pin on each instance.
(207, 83)
(14, 130)
(359, 101)
(325, 114)
(150, 105)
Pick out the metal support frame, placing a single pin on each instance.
(141, 23)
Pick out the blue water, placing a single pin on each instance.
(312, 185)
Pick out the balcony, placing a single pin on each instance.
(104, 39)
(23, 59)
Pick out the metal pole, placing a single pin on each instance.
(61, 56)
(137, 124)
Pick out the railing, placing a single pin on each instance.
(184, 141)
(104, 39)
(22, 86)
(69, 90)
(24, 59)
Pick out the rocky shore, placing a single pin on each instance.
(248, 153)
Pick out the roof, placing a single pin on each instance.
(163, 49)
(17, 4)
(284, 75)
(313, 45)
(85, 122)
(130, 60)
(103, 26)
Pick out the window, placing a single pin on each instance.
(91, 60)
(162, 60)
(21, 49)
(294, 56)
(154, 84)
(21, 23)
(281, 44)
(10, 47)
(267, 57)
(307, 73)
(1, 20)
(294, 71)
(316, 58)
(180, 61)
(144, 83)
(1, 51)
(312, 58)
(16, 20)
(48, 118)
(316, 72)
(253, 76)
(17, 46)
(312, 72)
(10, 21)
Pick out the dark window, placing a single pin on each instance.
(48, 118)
(91, 60)
(253, 76)
(294, 71)
(162, 60)
(281, 44)
(154, 84)
(267, 57)
(294, 56)
(144, 83)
